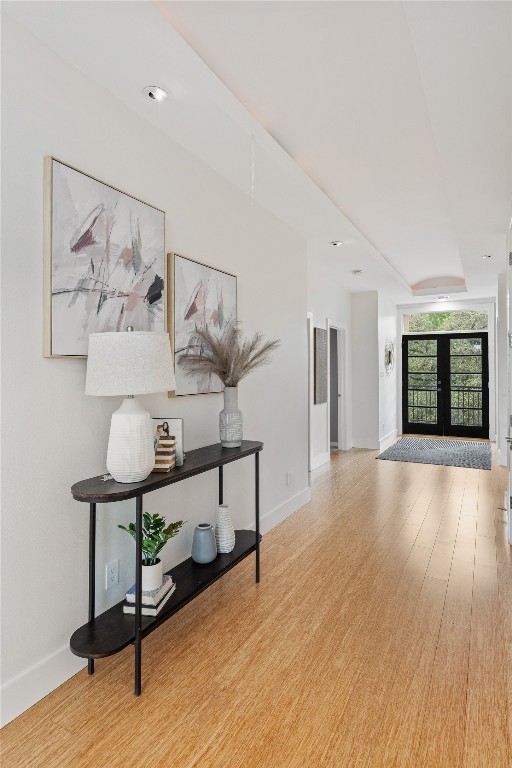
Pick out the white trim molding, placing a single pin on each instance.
(388, 440)
(36, 682)
(275, 516)
(322, 458)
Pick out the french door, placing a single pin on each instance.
(445, 384)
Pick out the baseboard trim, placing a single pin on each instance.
(369, 443)
(388, 440)
(36, 682)
(322, 458)
(282, 511)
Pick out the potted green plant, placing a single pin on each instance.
(155, 535)
(230, 357)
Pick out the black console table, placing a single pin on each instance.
(113, 630)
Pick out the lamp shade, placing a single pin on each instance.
(129, 363)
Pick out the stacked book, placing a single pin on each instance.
(152, 602)
(165, 453)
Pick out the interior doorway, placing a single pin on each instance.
(445, 381)
(334, 390)
(310, 389)
(337, 387)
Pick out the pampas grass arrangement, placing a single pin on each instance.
(227, 355)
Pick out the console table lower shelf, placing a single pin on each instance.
(113, 630)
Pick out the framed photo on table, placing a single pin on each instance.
(168, 427)
(104, 261)
(200, 296)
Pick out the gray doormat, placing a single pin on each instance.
(450, 453)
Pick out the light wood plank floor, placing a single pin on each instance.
(380, 635)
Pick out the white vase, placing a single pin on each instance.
(152, 576)
(131, 453)
(230, 420)
(224, 531)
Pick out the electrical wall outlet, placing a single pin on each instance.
(289, 478)
(111, 574)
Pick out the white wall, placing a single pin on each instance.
(501, 373)
(365, 369)
(388, 394)
(50, 108)
(327, 300)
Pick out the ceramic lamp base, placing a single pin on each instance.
(130, 454)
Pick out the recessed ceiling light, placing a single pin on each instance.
(155, 93)
(357, 272)
(336, 242)
(442, 298)
(486, 256)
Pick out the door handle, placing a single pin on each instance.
(508, 439)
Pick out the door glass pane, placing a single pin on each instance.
(422, 381)
(465, 346)
(466, 398)
(423, 364)
(466, 418)
(422, 347)
(423, 415)
(471, 364)
(466, 381)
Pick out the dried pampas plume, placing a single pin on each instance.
(227, 355)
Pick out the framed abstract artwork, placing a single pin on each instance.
(320, 366)
(104, 261)
(200, 297)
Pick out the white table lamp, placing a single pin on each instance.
(129, 363)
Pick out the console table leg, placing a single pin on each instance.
(92, 572)
(221, 486)
(138, 599)
(257, 476)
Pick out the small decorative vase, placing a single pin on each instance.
(152, 576)
(224, 531)
(204, 548)
(230, 420)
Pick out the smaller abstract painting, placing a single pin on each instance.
(165, 428)
(203, 297)
(104, 261)
(320, 366)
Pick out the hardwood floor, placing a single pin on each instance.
(380, 635)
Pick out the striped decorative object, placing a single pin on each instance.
(231, 425)
(165, 454)
(224, 531)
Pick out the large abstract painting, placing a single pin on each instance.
(202, 297)
(105, 261)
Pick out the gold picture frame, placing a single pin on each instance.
(81, 275)
(203, 271)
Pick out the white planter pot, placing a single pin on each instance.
(152, 576)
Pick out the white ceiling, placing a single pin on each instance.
(401, 113)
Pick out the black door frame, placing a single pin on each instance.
(444, 426)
